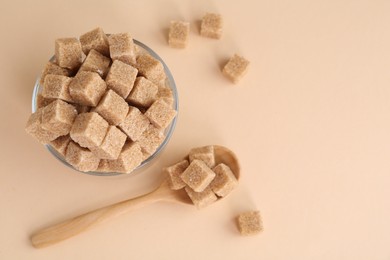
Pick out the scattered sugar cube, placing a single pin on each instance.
(112, 144)
(89, 129)
(58, 117)
(211, 26)
(68, 53)
(81, 158)
(151, 139)
(174, 172)
(150, 68)
(60, 144)
(160, 114)
(42, 101)
(129, 159)
(249, 223)
(34, 128)
(121, 77)
(198, 175)
(205, 154)
(57, 86)
(95, 39)
(225, 180)
(201, 199)
(51, 68)
(122, 48)
(178, 34)
(96, 62)
(144, 92)
(165, 93)
(236, 68)
(87, 88)
(112, 107)
(134, 124)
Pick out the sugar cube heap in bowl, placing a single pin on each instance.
(103, 103)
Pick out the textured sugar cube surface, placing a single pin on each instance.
(174, 172)
(225, 180)
(249, 223)
(60, 144)
(144, 92)
(122, 48)
(111, 145)
(211, 26)
(53, 69)
(87, 88)
(104, 166)
(151, 139)
(150, 68)
(201, 199)
(57, 86)
(95, 39)
(112, 107)
(134, 124)
(178, 34)
(129, 158)
(58, 117)
(89, 129)
(198, 175)
(68, 53)
(205, 154)
(160, 114)
(96, 62)
(165, 93)
(42, 101)
(34, 128)
(236, 68)
(121, 78)
(81, 158)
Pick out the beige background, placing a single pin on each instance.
(309, 122)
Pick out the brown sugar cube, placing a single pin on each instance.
(178, 34)
(134, 124)
(60, 144)
(87, 88)
(150, 68)
(57, 86)
(54, 69)
(68, 53)
(122, 48)
(58, 117)
(89, 129)
(198, 175)
(34, 128)
(151, 139)
(112, 107)
(211, 26)
(81, 158)
(96, 62)
(201, 199)
(236, 68)
(144, 92)
(95, 39)
(249, 223)
(121, 77)
(160, 114)
(205, 154)
(166, 94)
(174, 172)
(42, 101)
(103, 166)
(129, 158)
(224, 181)
(112, 144)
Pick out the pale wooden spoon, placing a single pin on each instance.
(76, 225)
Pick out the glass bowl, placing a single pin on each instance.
(169, 82)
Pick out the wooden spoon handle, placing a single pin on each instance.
(76, 225)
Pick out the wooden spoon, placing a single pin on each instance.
(76, 225)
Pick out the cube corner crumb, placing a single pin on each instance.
(236, 68)
(95, 39)
(201, 199)
(224, 182)
(96, 62)
(60, 144)
(68, 53)
(211, 26)
(87, 88)
(178, 34)
(112, 144)
(130, 158)
(57, 86)
(121, 78)
(160, 114)
(198, 175)
(174, 172)
(112, 107)
(58, 117)
(34, 128)
(81, 158)
(151, 68)
(249, 223)
(134, 124)
(204, 153)
(122, 48)
(144, 92)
